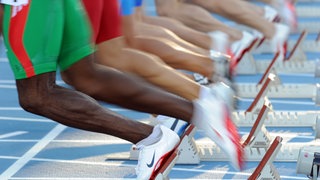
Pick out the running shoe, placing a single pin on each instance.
(278, 43)
(152, 157)
(222, 66)
(287, 12)
(240, 47)
(213, 117)
(271, 14)
(220, 41)
(224, 89)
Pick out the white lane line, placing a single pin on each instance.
(20, 109)
(7, 86)
(24, 119)
(15, 167)
(106, 141)
(17, 133)
(8, 81)
(11, 109)
(121, 164)
(68, 178)
(4, 60)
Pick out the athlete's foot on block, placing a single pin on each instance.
(165, 169)
(213, 117)
(224, 89)
(240, 47)
(154, 151)
(287, 12)
(278, 43)
(222, 65)
(271, 14)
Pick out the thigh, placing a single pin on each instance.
(111, 21)
(77, 34)
(33, 34)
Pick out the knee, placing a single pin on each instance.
(31, 101)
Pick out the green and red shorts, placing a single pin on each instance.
(44, 35)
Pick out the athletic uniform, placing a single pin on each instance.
(43, 34)
(105, 17)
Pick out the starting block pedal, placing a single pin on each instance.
(259, 136)
(266, 169)
(163, 172)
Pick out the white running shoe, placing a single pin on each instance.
(151, 157)
(212, 116)
(222, 66)
(271, 14)
(220, 41)
(287, 12)
(240, 47)
(226, 92)
(278, 43)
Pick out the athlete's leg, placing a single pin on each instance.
(195, 17)
(191, 35)
(176, 56)
(40, 95)
(115, 87)
(241, 12)
(113, 53)
(145, 29)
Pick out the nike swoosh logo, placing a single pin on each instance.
(152, 161)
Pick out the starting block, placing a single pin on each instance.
(266, 169)
(296, 62)
(274, 118)
(277, 90)
(259, 136)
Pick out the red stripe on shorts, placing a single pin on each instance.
(17, 25)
